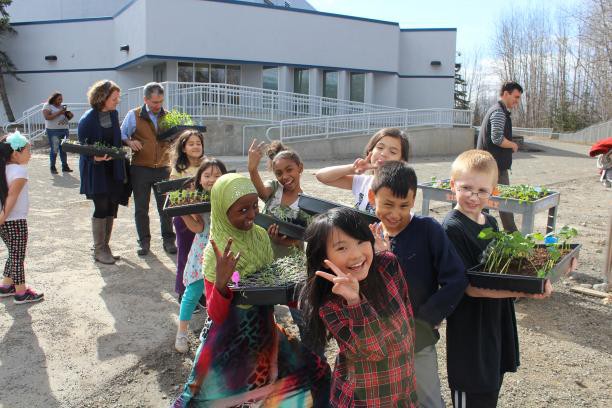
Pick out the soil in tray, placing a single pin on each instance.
(538, 259)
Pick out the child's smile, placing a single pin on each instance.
(352, 256)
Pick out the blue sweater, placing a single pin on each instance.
(93, 174)
(434, 272)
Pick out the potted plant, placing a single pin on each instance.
(275, 284)
(184, 202)
(173, 122)
(517, 199)
(523, 263)
(96, 149)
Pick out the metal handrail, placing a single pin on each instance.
(329, 127)
(33, 120)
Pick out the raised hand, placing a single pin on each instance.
(226, 265)
(345, 285)
(381, 239)
(255, 155)
(362, 165)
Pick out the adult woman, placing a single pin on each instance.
(56, 125)
(103, 180)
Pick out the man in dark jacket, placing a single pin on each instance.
(496, 138)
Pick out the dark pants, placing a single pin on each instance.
(55, 137)
(474, 400)
(184, 240)
(143, 179)
(14, 233)
(507, 218)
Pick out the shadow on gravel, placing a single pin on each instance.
(28, 386)
(543, 150)
(587, 326)
(65, 180)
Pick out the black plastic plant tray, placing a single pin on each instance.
(166, 186)
(91, 150)
(175, 130)
(264, 295)
(187, 209)
(313, 206)
(520, 283)
(284, 228)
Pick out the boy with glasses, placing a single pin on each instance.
(481, 336)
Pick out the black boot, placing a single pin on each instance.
(66, 169)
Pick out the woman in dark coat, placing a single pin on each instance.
(103, 179)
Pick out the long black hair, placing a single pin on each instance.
(179, 158)
(5, 155)
(318, 291)
(207, 163)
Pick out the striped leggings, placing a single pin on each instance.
(15, 236)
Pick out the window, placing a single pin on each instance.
(159, 72)
(202, 73)
(300, 80)
(357, 87)
(233, 74)
(287, 4)
(270, 78)
(205, 73)
(185, 72)
(269, 2)
(330, 84)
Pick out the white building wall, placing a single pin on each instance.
(385, 89)
(425, 93)
(42, 10)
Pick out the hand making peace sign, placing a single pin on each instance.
(345, 285)
(360, 165)
(255, 155)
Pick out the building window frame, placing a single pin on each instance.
(355, 94)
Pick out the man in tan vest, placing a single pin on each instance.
(150, 164)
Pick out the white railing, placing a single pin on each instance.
(32, 122)
(331, 127)
(542, 132)
(203, 100)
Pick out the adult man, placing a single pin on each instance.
(150, 164)
(496, 138)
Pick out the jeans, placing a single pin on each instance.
(55, 138)
(507, 218)
(143, 179)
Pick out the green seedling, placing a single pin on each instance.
(175, 118)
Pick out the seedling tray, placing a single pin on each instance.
(265, 295)
(519, 283)
(91, 150)
(171, 133)
(284, 228)
(313, 206)
(185, 209)
(164, 187)
(528, 209)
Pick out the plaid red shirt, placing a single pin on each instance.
(375, 363)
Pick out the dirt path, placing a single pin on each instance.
(104, 335)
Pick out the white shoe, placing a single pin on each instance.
(181, 344)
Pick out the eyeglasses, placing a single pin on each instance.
(480, 194)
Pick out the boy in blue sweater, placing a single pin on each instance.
(433, 270)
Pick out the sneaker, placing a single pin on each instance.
(66, 169)
(181, 343)
(8, 291)
(53, 170)
(144, 249)
(28, 297)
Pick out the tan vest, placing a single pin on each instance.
(154, 153)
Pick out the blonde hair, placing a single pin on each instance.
(99, 92)
(478, 161)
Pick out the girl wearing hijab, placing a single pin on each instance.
(244, 357)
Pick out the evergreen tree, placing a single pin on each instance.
(461, 101)
(6, 65)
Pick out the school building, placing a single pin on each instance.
(287, 46)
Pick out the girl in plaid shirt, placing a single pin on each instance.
(360, 299)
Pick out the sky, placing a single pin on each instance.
(473, 19)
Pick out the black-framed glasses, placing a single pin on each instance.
(480, 194)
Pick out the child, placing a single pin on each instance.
(281, 195)
(433, 270)
(14, 157)
(210, 170)
(244, 358)
(386, 144)
(481, 336)
(361, 300)
(187, 154)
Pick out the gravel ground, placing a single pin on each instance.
(104, 335)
